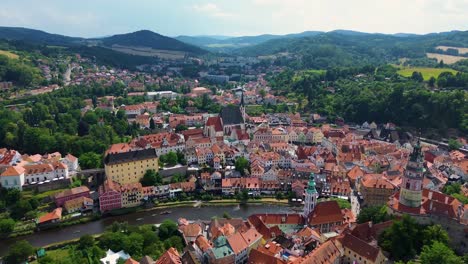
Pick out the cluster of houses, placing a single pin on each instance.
(23, 171)
(322, 233)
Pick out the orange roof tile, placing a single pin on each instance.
(237, 243)
(56, 214)
(326, 212)
(13, 171)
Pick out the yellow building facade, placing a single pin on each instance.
(129, 167)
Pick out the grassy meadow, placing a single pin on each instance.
(9, 54)
(427, 73)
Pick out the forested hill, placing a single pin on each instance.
(344, 49)
(36, 36)
(142, 39)
(146, 38)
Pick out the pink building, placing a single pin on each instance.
(62, 197)
(109, 196)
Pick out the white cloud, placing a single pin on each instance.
(212, 10)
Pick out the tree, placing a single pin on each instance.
(403, 239)
(417, 76)
(90, 160)
(435, 233)
(152, 124)
(375, 214)
(431, 82)
(439, 253)
(241, 165)
(6, 225)
(243, 196)
(121, 261)
(19, 252)
(279, 196)
(180, 127)
(167, 229)
(151, 178)
(83, 128)
(171, 158)
(452, 188)
(12, 196)
(133, 244)
(85, 242)
(19, 210)
(226, 215)
(453, 144)
(181, 158)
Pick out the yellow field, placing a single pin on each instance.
(448, 59)
(460, 50)
(9, 54)
(427, 73)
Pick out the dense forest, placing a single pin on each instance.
(54, 122)
(20, 72)
(380, 95)
(337, 49)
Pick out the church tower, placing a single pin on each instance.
(311, 196)
(411, 186)
(242, 106)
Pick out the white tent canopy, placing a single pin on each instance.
(112, 257)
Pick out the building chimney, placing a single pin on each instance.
(429, 196)
(446, 199)
(370, 224)
(430, 206)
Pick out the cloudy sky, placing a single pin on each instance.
(91, 18)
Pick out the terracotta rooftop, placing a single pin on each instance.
(326, 253)
(56, 214)
(361, 247)
(237, 243)
(326, 212)
(13, 171)
(72, 191)
(171, 256)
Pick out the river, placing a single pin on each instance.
(50, 236)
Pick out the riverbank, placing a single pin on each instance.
(167, 205)
(213, 203)
(151, 216)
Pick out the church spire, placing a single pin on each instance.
(242, 103)
(311, 196)
(242, 106)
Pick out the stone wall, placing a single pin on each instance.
(53, 185)
(167, 172)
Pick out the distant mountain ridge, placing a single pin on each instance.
(229, 44)
(36, 36)
(142, 38)
(149, 39)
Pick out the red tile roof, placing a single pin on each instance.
(326, 253)
(216, 122)
(13, 171)
(191, 230)
(237, 243)
(259, 257)
(361, 247)
(56, 214)
(326, 212)
(171, 256)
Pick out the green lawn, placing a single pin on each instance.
(426, 72)
(56, 254)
